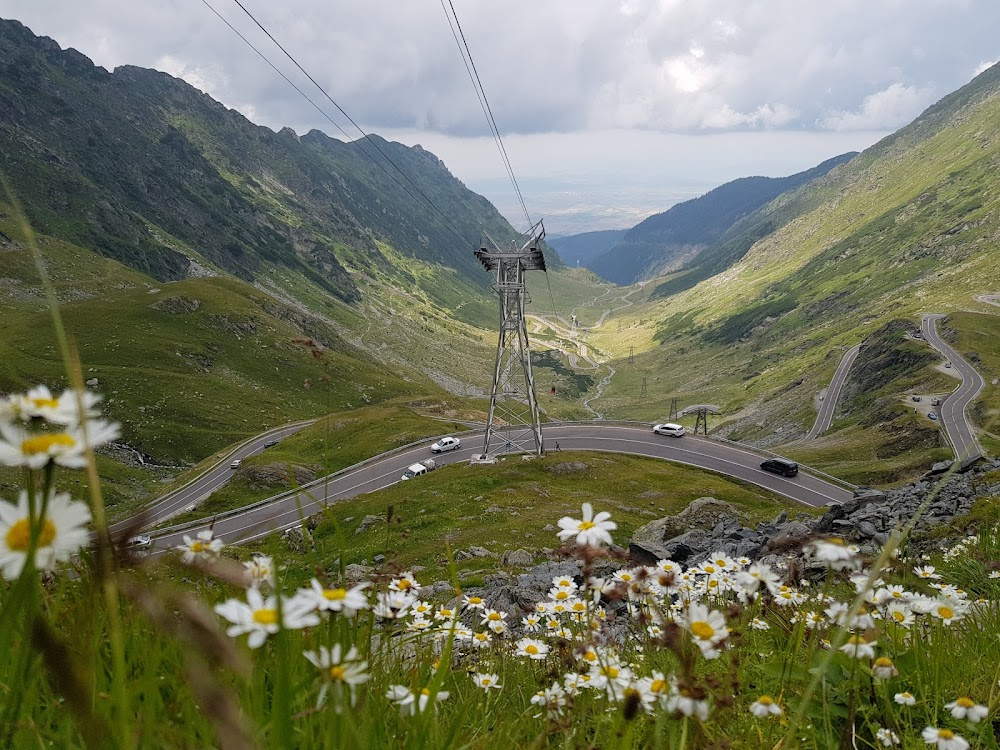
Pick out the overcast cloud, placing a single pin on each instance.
(615, 106)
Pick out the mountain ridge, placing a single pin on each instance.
(666, 241)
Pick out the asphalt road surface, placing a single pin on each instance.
(825, 416)
(952, 411)
(265, 518)
(206, 483)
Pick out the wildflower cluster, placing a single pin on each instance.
(38, 432)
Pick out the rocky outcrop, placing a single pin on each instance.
(867, 519)
(277, 474)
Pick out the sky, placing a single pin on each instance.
(609, 110)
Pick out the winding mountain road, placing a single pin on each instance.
(953, 410)
(990, 299)
(284, 511)
(824, 418)
(203, 485)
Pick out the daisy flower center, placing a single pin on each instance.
(197, 546)
(898, 616)
(475, 600)
(425, 691)
(493, 616)
(883, 661)
(483, 637)
(335, 595)
(531, 648)
(19, 535)
(404, 584)
(584, 525)
(702, 630)
(946, 734)
(658, 686)
(486, 681)
(965, 702)
(337, 672)
(765, 700)
(44, 443)
(946, 612)
(265, 616)
(43, 403)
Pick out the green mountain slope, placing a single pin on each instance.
(583, 248)
(141, 167)
(666, 241)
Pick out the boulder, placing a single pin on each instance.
(518, 558)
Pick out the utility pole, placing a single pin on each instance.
(514, 423)
(631, 354)
(643, 391)
(701, 421)
(673, 410)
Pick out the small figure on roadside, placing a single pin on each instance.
(557, 446)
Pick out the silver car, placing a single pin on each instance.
(669, 428)
(446, 444)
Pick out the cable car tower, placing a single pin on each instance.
(513, 425)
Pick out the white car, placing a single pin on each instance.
(235, 464)
(674, 430)
(446, 444)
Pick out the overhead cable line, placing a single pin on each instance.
(477, 84)
(319, 109)
(484, 103)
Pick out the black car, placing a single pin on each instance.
(780, 466)
(271, 443)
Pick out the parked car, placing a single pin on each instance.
(416, 470)
(780, 466)
(235, 464)
(935, 402)
(932, 415)
(446, 444)
(915, 398)
(947, 364)
(668, 428)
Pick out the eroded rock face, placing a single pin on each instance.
(277, 474)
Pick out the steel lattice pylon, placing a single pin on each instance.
(514, 424)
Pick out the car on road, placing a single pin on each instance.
(272, 443)
(419, 469)
(669, 428)
(448, 443)
(780, 466)
(141, 541)
(235, 464)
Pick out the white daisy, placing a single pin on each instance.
(409, 702)
(205, 546)
(348, 601)
(835, 552)
(487, 682)
(21, 447)
(765, 706)
(338, 672)
(259, 616)
(708, 628)
(38, 403)
(926, 572)
(532, 648)
(905, 699)
(944, 739)
(590, 531)
(260, 570)
(859, 648)
(887, 737)
(966, 708)
(392, 605)
(884, 669)
(60, 534)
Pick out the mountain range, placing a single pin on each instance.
(677, 237)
